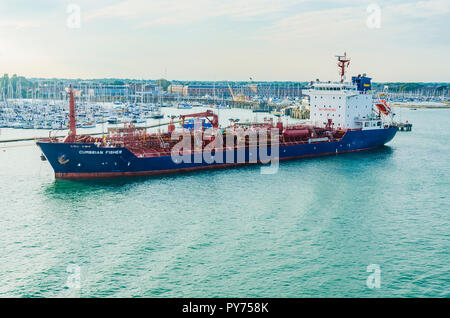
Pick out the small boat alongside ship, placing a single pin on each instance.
(183, 106)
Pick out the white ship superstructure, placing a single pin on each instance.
(343, 105)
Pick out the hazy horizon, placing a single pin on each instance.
(197, 80)
(212, 40)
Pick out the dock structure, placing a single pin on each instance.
(299, 113)
(244, 104)
(404, 126)
(91, 134)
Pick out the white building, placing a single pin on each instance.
(344, 104)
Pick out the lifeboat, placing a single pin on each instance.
(383, 107)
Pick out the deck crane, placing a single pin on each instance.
(209, 115)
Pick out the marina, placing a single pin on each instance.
(40, 114)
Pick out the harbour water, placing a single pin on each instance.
(309, 230)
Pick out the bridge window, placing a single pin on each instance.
(379, 123)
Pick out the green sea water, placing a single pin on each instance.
(310, 230)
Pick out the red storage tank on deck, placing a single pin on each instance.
(296, 133)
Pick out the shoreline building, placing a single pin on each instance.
(280, 90)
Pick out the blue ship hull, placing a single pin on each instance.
(76, 160)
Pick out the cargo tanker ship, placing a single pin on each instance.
(344, 118)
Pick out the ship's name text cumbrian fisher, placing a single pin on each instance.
(100, 152)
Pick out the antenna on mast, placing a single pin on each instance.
(343, 62)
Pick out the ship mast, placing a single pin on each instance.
(343, 62)
(72, 117)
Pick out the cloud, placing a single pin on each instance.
(419, 9)
(315, 24)
(19, 23)
(173, 12)
(350, 21)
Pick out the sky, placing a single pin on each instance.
(266, 40)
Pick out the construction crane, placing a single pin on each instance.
(236, 98)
